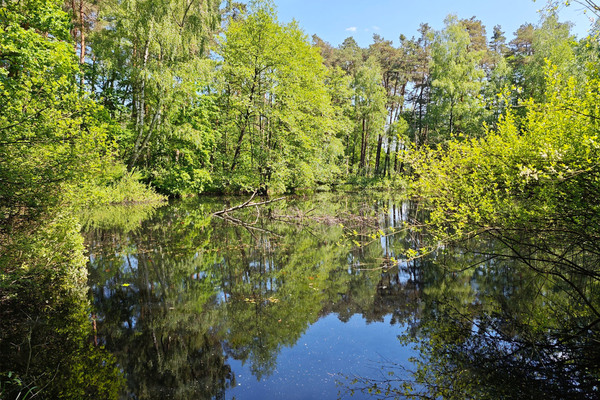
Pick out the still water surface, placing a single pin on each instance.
(305, 298)
(314, 298)
(316, 366)
(293, 304)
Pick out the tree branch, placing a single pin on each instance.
(247, 204)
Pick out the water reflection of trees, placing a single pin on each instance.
(504, 329)
(178, 295)
(46, 346)
(150, 304)
(181, 295)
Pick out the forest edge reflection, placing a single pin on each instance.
(179, 294)
(252, 292)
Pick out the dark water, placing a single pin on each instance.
(314, 298)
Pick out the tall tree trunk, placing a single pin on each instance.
(419, 139)
(142, 90)
(347, 155)
(451, 117)
(353, 156)
(81, 33)
(81, 44)
(396, 156)
(238, 147)
(140, 105)
(74, 21)
(144, 142)
(363, 145)
(378, 156)
(386, 165)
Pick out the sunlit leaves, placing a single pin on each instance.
(456, 80)
(51, 137)
(277, 117)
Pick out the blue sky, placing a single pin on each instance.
(334, 20)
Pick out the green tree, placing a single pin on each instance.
(350, 56)
(418, 54)
(150, 65)
(328, 52)
(395, 75)
(52, 141)
(499, 76)
(276, 112)
(587, 53)
(533, 47)
(554, 43)
(531, 184)
(456, 82)
(50, 136)
(370, 114)
(477, 36)
(498, 41)
(339, 86)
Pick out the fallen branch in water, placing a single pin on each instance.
(247, 204)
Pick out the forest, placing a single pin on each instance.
(199, 96)
(134, 102)
(123, 102)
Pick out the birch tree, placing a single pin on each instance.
(278, 131)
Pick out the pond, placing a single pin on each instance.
(312, 297)
(291, 304)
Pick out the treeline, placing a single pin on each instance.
(202, 96)
(443, 85)
(194, 96)
(530, 182)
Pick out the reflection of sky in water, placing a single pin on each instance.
(130, 263)
(329, 349)
(236, 267)
(315, 365)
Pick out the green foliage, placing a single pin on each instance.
(182, 159)
(277, 129)
(50, 136)
(456, 80)
(532, 185)
(586, 53)
(552, 43)
(53, 142)
(530, 169)
(170, 114)
(369, 113)
(339, 87)
(45, 317)
(113, 185)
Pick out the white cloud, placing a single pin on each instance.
(376, 28)
(351, 29)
